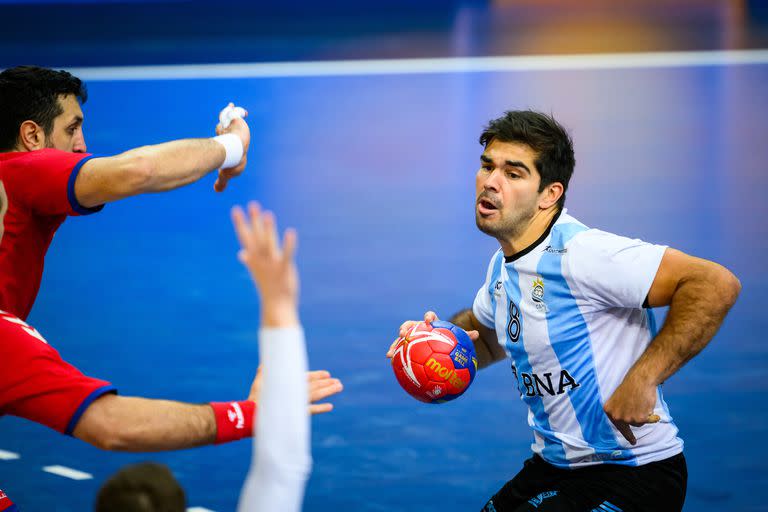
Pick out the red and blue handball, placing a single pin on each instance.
(435, 362)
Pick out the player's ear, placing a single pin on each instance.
(31, 136)
(550, 195)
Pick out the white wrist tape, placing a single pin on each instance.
(233, 147)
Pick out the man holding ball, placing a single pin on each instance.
(569, 305)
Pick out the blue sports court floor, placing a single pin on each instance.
(376, 171)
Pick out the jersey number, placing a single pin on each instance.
(513, 326)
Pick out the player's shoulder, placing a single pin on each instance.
(497, 259)
(597, 244)
(40, 158)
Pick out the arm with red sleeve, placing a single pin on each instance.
(37, 384)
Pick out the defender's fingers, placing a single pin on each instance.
(242, 230)
(221, 182)
(321, 391)
(320, 408)
(318, 374)
(290, 241)
(270, 232)
(256, 228)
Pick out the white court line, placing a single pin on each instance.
(6, 455)
(198, 509)
(421, 66)
(68, 472)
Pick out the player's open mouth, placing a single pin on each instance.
(485, 207)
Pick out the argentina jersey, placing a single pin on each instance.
(569, 313)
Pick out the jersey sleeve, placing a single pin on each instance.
(282, 457)
(612, 270)
(482, 308)
(45, 182)
(37, 384)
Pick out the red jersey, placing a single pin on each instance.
(6, 505)
(37, 384)
(37, 192)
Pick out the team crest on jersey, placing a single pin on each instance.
(498, 288)
(537, 295)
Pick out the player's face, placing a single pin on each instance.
(67, 132)
(507, 187)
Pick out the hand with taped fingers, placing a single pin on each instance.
(632, 405)
(234, 124)
(405, 327)
(321, 386)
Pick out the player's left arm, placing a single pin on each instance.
(699, 294)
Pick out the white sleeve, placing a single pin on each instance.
(612, 270)
(282, 459)
(482, 307)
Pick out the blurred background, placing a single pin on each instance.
(365, 118)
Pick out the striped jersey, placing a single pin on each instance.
(568, 311)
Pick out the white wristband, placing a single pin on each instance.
(233, 147)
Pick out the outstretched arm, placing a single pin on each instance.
(160, 167)
(142, 425)
(699, 294)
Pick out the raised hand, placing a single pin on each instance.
(270, 264)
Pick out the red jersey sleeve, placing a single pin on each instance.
(44, 181)
(37, 384)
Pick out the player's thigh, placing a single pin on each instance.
(536, 478)
(658, 486)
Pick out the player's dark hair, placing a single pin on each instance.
(144, 487)
(553, 146)
(31, 93)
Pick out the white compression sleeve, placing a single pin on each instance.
(282, 458)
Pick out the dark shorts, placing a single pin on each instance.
(541, 487)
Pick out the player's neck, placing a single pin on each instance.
(539, 224)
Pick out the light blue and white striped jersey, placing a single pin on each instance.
(568, 312)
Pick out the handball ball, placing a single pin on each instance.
(435, 362)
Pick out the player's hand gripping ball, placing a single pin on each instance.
(435, 362)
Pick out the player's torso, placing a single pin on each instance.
(567, 354)
(24, 239)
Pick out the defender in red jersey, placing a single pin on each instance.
(46, 174)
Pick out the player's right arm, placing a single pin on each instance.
(486, 343)
(157, 168)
